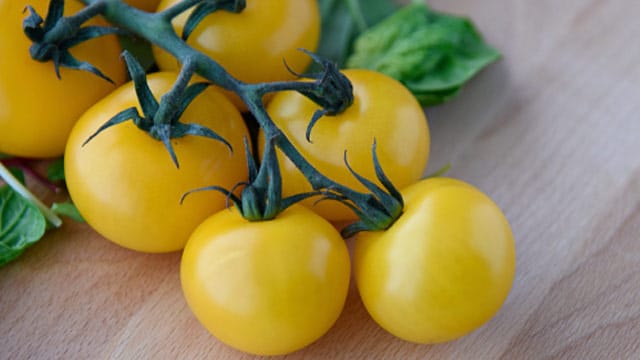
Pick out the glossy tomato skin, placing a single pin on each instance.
(442, 269)
(267, 287)
(37, 110)
(125, 184)
(254, 44)
(383, 110)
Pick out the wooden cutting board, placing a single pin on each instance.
(551, 132)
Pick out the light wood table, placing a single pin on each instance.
(551, 132)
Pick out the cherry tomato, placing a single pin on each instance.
(125, 184)
(38, 110)
(266, 287)
(383, 110)
(442, 269)
(254, 44)
(146, 5)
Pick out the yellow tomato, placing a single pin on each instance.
(38, 110)
(254, 44)
(266, 287)
(443, 269)
(125, 184)
(383, 110)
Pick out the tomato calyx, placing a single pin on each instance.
(54, 36)
(332, 90)
(161, 120)
(376, 210)
(261, 197)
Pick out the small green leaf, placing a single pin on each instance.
(433, 54)
(21, 225)
(69, 210)
(55, 171)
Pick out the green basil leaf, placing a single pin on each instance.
(21, 224)
(431, 53)
(69, 210)
(344, 20)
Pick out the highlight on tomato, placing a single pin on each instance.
(125, 183)
(443, 269)
(383, 111)
(38, 108)
(266, 287)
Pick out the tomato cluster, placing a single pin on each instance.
(442, 269)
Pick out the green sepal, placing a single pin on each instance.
(228, 193)
(274, 202)
(273, 180)
(161, 120)
(190, 93)
(332, 90)
(53, 37)
(382, 177)
(261, 198)
(205, 8)
(147, 101)
(317, 115)
(35, 27)
(124, 115)
(376, 210)
(252, 167)
(65, 59)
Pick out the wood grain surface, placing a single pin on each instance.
(551, 132)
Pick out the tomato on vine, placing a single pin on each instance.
(383, 110)
(266, 287)
(444, 267)
(38, 109)
(124, 182)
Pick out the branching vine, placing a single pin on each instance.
(329, 88)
